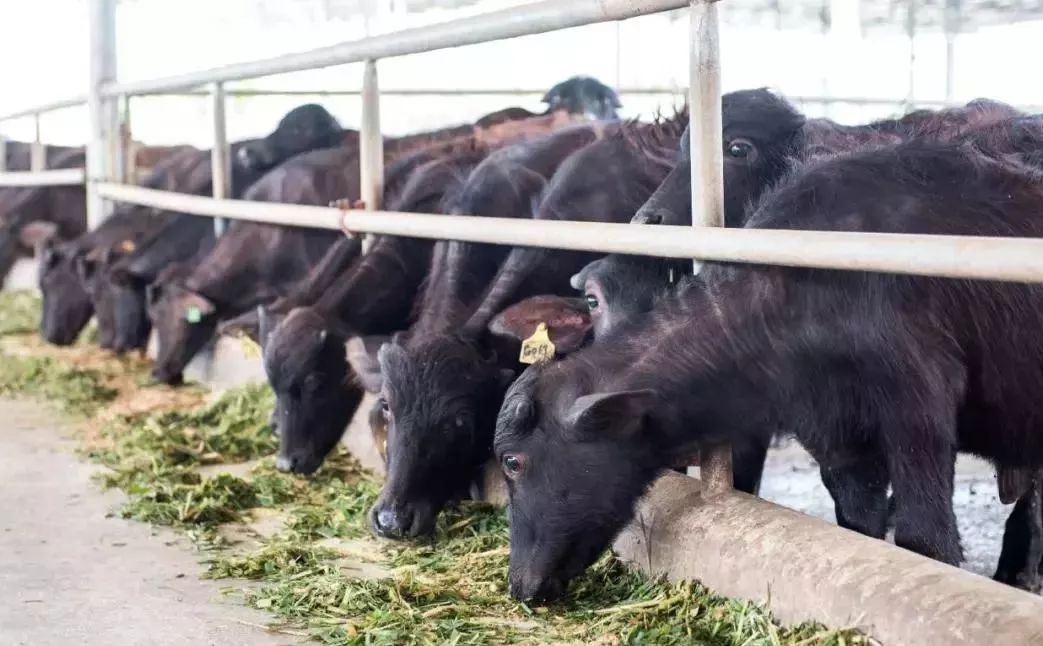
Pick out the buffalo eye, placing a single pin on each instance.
(740, 148)
(592, 302)
(512, 465)
(385, 408)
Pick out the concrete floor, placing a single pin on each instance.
(71, 575)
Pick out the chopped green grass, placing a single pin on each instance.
(312, 574)
(19, 311)
(79, 391)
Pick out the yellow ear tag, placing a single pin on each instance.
(128, 246)
(538, 347)
(251, 349)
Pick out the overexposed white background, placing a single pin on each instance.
(44, 49)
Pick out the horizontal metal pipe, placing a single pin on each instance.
(806, 569)
(535, 18)
(45, 107)
(316, 217)
(986, 258)
(65, 177)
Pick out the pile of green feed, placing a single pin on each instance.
(319, 573)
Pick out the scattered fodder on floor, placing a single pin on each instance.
(78, 391)
(19, 311)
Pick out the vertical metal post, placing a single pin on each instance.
(101, 112)
(127, 155)
(708, 175)
(619, 53)
(219, 154)
(37, 153)
(3, 153)
(371, 144)
(952, 29)
(910, 28)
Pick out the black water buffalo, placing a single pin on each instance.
(305, 128)
(441, 420)
(764, 135)
(584, 95)
(881, 377)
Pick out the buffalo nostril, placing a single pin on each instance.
(391, 523)
(388, 520)
(284, 464)
(527, 588)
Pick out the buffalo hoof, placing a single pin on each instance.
(170, 379)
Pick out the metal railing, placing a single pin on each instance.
(63, 177)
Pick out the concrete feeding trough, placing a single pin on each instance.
(805, 569)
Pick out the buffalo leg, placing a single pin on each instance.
(859, 491)
(922, 464)
(748, 464)
(1022, 556)
(892, 509)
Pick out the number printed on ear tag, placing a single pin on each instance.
(538, 348)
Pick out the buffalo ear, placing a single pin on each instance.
(195, 302)
(567, 319)
(579, 279)
(362, 354)
(619, 414)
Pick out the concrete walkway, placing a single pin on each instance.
(70, 575)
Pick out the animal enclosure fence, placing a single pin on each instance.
(1006, 259)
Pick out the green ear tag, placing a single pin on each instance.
(193, 315)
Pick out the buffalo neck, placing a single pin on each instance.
(712, 354)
